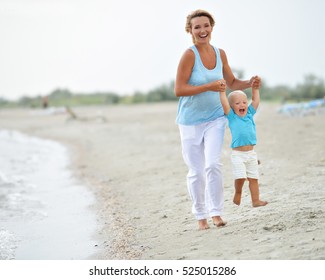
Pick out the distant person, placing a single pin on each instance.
(203, 72)
(45, 102)
(242, 126)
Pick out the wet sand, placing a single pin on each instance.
(130, 157)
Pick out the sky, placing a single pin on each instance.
(126, 46)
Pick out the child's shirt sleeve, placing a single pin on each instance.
(230, 114)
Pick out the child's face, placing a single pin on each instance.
(239, 104)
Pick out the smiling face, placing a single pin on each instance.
(238, 102)
(201, 29)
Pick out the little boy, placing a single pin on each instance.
(243, 132)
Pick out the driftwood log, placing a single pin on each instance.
(74, 116)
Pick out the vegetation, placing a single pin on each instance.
(311, 88)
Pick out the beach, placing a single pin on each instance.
(129, 157)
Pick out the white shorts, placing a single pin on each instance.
(244, 164)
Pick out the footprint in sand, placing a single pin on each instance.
(276, 227)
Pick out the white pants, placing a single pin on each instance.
(201, 149)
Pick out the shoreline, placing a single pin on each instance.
(36, 188)
(131, 161)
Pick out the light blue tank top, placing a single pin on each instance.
(206, 106)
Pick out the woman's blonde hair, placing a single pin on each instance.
(197, 13)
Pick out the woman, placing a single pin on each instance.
(203, 72)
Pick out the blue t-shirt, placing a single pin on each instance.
(243, 131)
(206, 106)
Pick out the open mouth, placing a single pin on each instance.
(203, 36)
(242, 111)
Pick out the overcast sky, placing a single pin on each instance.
(125, 46)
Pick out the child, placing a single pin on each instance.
(242, 127)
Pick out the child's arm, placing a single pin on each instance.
(256, 92)
(255, 97)
(224, 102)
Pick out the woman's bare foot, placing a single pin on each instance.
(203, 224)
(259, 203)
(218, 222)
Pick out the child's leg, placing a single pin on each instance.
(239, 183)
(255, 194)
(239, 173)
(252, 174)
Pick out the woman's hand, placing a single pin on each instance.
(256, 82)
(218, 85)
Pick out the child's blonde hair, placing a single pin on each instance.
(234, 93)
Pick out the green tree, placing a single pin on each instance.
(312, 88)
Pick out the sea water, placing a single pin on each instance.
(45, 214)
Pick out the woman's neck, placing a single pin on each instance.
(203, 47)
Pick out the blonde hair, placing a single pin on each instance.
(234, 93)
(194, 14)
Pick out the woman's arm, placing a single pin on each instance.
(232, 82)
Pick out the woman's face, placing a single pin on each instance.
(201, 29)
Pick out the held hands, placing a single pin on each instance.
(255, 82)
(218, 85)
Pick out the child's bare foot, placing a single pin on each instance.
(218, 222)
(237, 198)
(259, 203)
(203, 224)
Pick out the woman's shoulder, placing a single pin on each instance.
(222, 52)
(190, 50)
(223, 56)
(189, 54)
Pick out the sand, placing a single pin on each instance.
(130, 158)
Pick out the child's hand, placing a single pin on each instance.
(256, 82)
(223, 85)
(218, 85)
